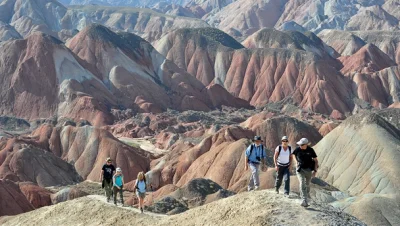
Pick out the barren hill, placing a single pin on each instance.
(361, 157)
(271, 209)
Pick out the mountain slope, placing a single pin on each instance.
(244, 17)
(344, 42)
(146, 23)
(261, 76)
(373, 170)
(271, 209)
(307, 41)
(360, 157)
(137, 74)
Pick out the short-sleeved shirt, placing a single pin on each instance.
(258, 151)
(118, 180)
(108, 171)
(305, 157)
(284, 156)
(141, 186)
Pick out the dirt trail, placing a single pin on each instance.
(249, 208)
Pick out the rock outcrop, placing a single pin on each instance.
(49, 170)
(12, 201)
(36, 195)
(67, 194)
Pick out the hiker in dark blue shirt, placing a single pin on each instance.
(254, 157)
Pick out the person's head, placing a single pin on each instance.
(108, 161)
(285, 141)
(118, 171)
(303, 143)
(257, 140)
(140, 176)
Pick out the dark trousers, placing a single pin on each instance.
(120, 191)
(283, 174)
(108, 187)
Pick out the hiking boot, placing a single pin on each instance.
(276, 190)
(141, 210)
(249, 189)
(286, 195)
(256, 188)
(108, 199)
(304, 204)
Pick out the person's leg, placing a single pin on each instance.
(255, 169)
(115, 189)
(308, 175)
(143, 197)
(141, 200)
(302, 182)
(251, 181)
(286, 179)
(121, 194)
(278, 181)
(108, 189)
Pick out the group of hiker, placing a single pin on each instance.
(255, 159)
(306, 166)
(113, 182)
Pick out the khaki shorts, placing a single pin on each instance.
(140, 195)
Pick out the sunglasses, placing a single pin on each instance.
(285, 141)
(109, 162)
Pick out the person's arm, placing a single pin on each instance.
(122, 180)
(293, 158)
(114, 180)
(276, 155)
(316, 166)
(264, 159)
(102, 173)
(246, 158)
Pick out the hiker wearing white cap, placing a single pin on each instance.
(106, 176)
(283, 160)
(118, 181)
(254, 157)
(307, 166)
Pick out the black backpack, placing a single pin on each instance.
(280, 149)
(251, 149)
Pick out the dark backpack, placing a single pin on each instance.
(280, 149)
(251, 150)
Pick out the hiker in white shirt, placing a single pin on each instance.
(283, 159)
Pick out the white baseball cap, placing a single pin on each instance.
(303, 141)
(284, 138)
(119, 169)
